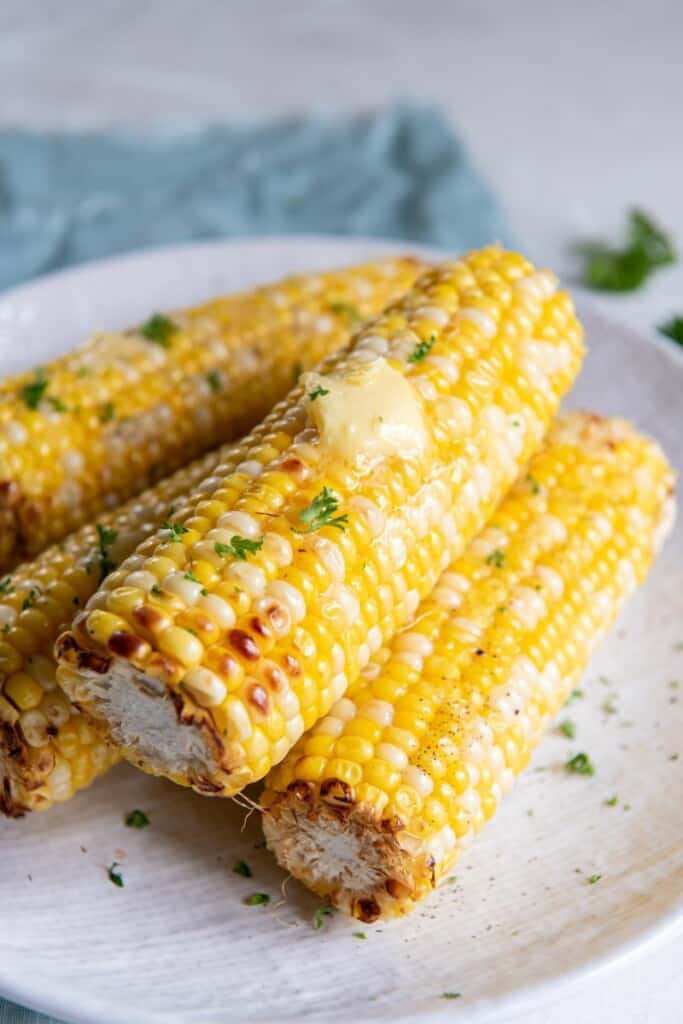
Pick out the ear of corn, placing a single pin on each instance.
(47, 749)
(238, 626)
(372, 808)
(105, 421)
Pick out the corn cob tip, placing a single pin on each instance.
(345, 851)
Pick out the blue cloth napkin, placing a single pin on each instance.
(400, 173)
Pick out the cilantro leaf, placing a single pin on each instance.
(580, 764)
(33, 393)
(115, 875)
(137, 819)
(422, 349)
(614, 269)
(673, 329)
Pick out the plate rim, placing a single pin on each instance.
(666, 924)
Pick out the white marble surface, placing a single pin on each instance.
(572, 110)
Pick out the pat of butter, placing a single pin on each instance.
(367, 412)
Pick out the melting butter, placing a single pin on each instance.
(367, 412)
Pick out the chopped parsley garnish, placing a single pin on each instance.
(105, 538)
(137, 819)
(320, 915)
(345, 309)
(450, 995)
(317, 393)
(214, 380)
(533, 484)
(612, 802)
(30, 599)
(580, 764)
(107, 412)
(648, 247)
(239, 547)
(243, 869)
(159, 329)
(257, 899)
(156, 590)
(321, 512)
(496, 558)
(57, 404)
(567, 729)
(115, 874)
(191, 577)
(359, 935)
(609, 707)
(673, 329)
(33, 393)
(6, 585)
(593, 879)
(422, 349)
(175, 530)
(575, 695)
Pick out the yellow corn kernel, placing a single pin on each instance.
(23, 691)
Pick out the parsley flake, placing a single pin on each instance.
(156, 590)
(612, 802)
(359, 935)
(673, 329)
(318, 392)
(575, 695)
(137, 819)
(320, 915)
(496, 558)
(451, 995)
(6, 628)
(567, 729)
(6, 585)
(422, 349)
(533, 484)
(213, 379)
(107, 412)
(159, 329)
(345, 309)
(57, 404)
(239, 548)
(321, 512)
(593, 879)
(191, 577)
(114, 874)
(175, 530)
(30, 599)
(648, 247)
(580, 764)
(257, 899)
(33, 393)
(105, 538)
(243, 869)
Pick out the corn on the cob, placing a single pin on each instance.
(208, 655)
(104, 422)
(372, 807)
(47, 749)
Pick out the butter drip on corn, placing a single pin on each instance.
(374, 805)
(105, 421)
(210, 674)
(47, 749)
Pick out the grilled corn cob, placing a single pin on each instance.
(107, 420)
(245, 619)
(372, 808)
(47, 749)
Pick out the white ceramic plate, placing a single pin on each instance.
(176, 944)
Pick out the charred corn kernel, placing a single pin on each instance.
(426, 455)
(484, 693)
(43, 595)
(103, 422)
